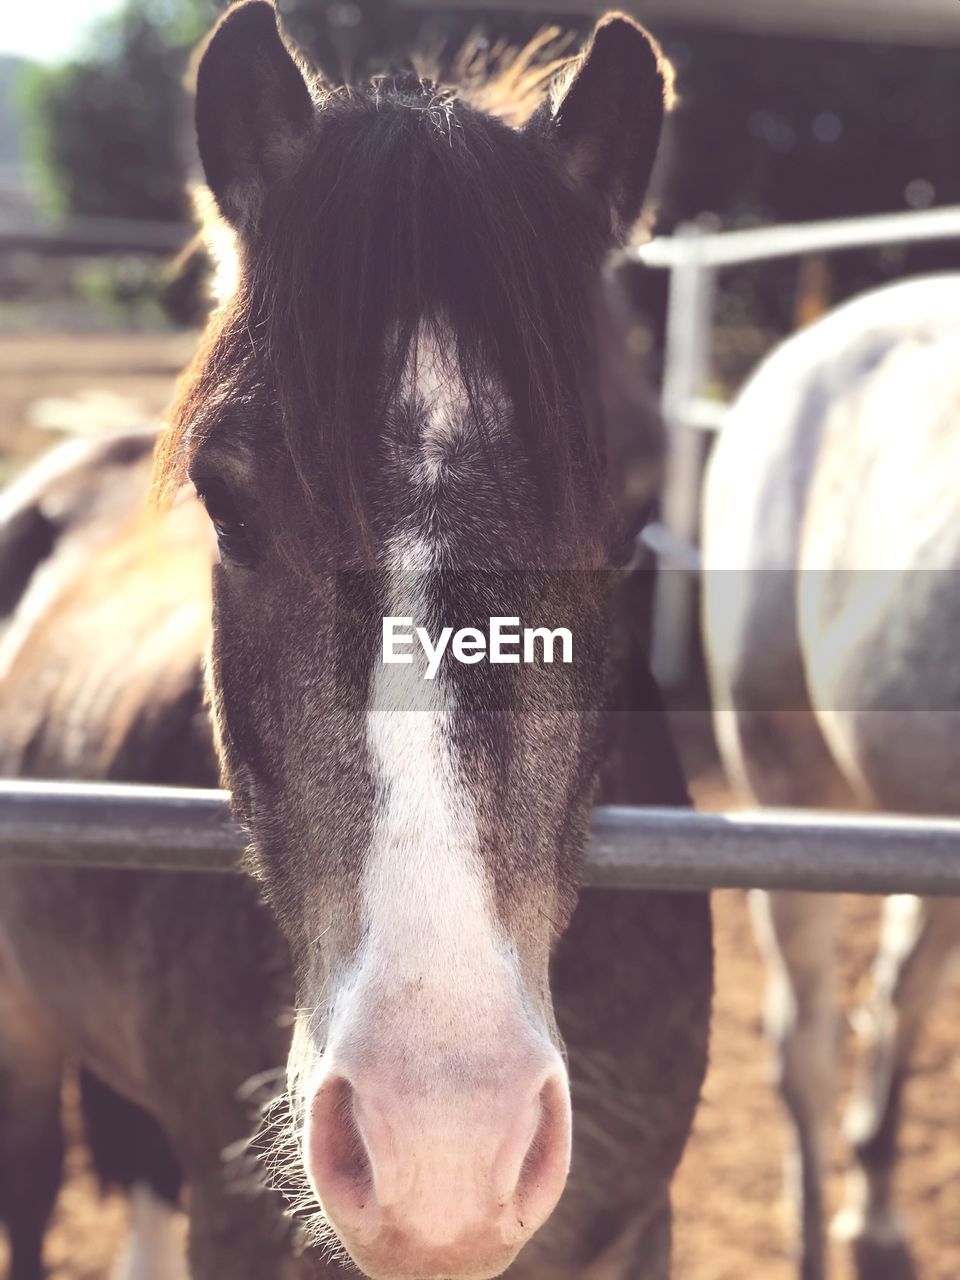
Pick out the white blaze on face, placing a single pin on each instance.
(427, 906)
(438, 1119)
(434, 387)
(428, 914)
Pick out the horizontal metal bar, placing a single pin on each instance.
(108, 825)
(81, 235)
(702, 414)
(172, 829)
(672, 551)
(730, 248)
(807, 849)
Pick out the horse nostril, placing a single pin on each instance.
(545, 1164)
(338, 1158)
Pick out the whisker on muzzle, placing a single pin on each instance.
(277, 1147)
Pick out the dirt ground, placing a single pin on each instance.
(80, 382)
(730, 1221)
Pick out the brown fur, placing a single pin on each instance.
(301, 434)
(631, 978)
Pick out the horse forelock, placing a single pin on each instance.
(412, 213)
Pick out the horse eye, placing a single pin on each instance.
(233, 534)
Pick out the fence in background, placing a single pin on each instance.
(693, 260)
(90, 236)
(50, 824)
(63, 824)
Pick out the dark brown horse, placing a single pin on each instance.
(395, 413)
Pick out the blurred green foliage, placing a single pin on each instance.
(103, 129)
(766, 130)
(108, 132)
(123, 291)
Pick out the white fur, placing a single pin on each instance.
(840, 455)
(426, 901)
(156, 1244)
(430, 1025)
(440, 397)
(49, 485)
(433, 384)
(433, 966)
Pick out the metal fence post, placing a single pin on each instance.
(686, 365)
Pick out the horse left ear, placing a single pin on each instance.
(254, 110)
(606, 113)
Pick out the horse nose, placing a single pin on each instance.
(445, 1186)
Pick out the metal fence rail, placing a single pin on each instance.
(793, 239)
(693, 259)
(83, 235)
(174, 829)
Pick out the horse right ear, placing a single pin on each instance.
(605, 114)
(254, 110)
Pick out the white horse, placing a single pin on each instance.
(831, 531)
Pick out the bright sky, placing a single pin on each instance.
(47, 30)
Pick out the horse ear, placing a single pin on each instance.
(254, 110)
(606, 113)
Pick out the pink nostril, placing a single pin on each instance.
(337, 1160)
(547, 1160)
(438, 1185)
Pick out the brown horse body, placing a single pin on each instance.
(419, 860)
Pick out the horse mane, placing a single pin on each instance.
(504, 80)
(416, 205)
